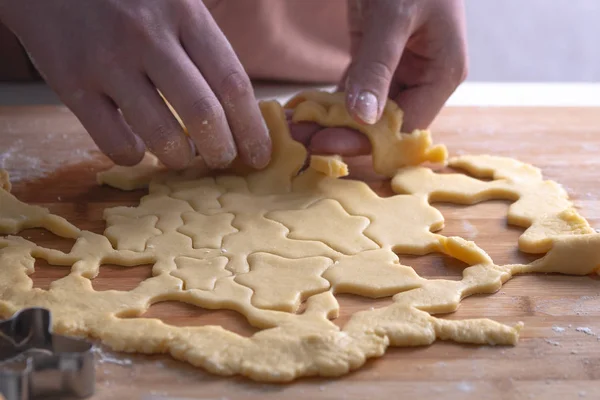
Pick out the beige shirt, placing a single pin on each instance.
(281, 40)
(287, 40)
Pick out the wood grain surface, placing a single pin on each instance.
(54, 163)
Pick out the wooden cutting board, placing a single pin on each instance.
(558, 356)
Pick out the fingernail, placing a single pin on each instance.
(366, 107)
(226, 158)
(260, 150)
(259, 153)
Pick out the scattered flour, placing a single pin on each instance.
(18, 164)
(469, 229)
(558, 329)
(105, 358)
(464, 386)
(584, 329)
(589, 147)
(585, 304)
(552, 342)
(26, 163)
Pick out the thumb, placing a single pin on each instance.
(385, 28)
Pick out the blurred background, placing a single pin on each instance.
(534, 40)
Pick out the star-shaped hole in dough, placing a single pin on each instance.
(328, 222)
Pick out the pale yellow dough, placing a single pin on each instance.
(4, 181)
(332, 166)
(263, 243)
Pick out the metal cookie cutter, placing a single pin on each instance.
(35, 363)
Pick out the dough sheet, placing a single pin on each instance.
(277, 245)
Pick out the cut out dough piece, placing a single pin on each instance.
(131, 233)
(207, 230)
(408, 232)
(328, 222)
(258, 234)
(169, 211)
(280, 283)
(391, 148)
(200, 274)
(128, 178)
(202, 194)
(332, 166)
(375, 273)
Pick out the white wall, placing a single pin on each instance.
(534, 40)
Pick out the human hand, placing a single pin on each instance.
(102, 56)
(412, 51)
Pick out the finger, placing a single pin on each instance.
(178, 79)
(101, 118)
(421, 104)
(303, 131)
(230, 83)
(435, 77)
(288, 114)
(197, 169)
(355, 25)
(149, 117)
(341, 86)
(386, 29)
(342, 141)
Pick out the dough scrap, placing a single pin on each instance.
(4, 181)
(332, 166)
(127, 178)
(261, 242)
(391, 149)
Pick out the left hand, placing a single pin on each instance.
(411, 51)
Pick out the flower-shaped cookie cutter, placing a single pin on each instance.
(35, 363)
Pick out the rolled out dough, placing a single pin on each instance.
(264, 242)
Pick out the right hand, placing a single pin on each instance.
(412, 52)
(102, 56)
